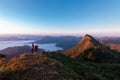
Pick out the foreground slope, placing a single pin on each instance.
(34, 67)
(55, 66)
(87, 69)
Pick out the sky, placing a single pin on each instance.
(60, 17)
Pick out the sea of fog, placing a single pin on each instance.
(47, 47)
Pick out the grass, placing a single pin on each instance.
(72, 69)
(89, 70)
(13, 75)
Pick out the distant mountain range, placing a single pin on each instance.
(64, 42)
(110, 40)
(71, 41)
(115, 47)
(19, 37)
(60, 41)
(88, 43)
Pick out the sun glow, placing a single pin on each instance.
(12, 27)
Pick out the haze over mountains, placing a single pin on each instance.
(60, 41)
(19, 37)
(110, 40)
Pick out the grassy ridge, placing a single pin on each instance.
(89, 70)
(36, 67)
(69, 69)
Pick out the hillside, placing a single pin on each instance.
(55, 66)
(110, 40)
(35, 67)
(90, 49)
(115, 47)
(60, 41)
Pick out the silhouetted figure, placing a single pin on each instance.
(36, 48)
(32, 48)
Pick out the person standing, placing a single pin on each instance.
(36, 48)
(32, 48)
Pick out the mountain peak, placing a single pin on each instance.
(87, 35)
(89, 41)
(89, 48)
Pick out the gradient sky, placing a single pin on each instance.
(60, 17)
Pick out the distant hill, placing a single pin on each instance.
(114, 47)
(110, 40)
(15, 51)
(60, 41)
(19, 37)
(13, 38)
(89, 48)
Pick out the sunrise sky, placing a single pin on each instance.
(60, 17)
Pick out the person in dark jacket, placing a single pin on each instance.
(32, 48)
(36, 48)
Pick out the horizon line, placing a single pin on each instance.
(81, 34)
